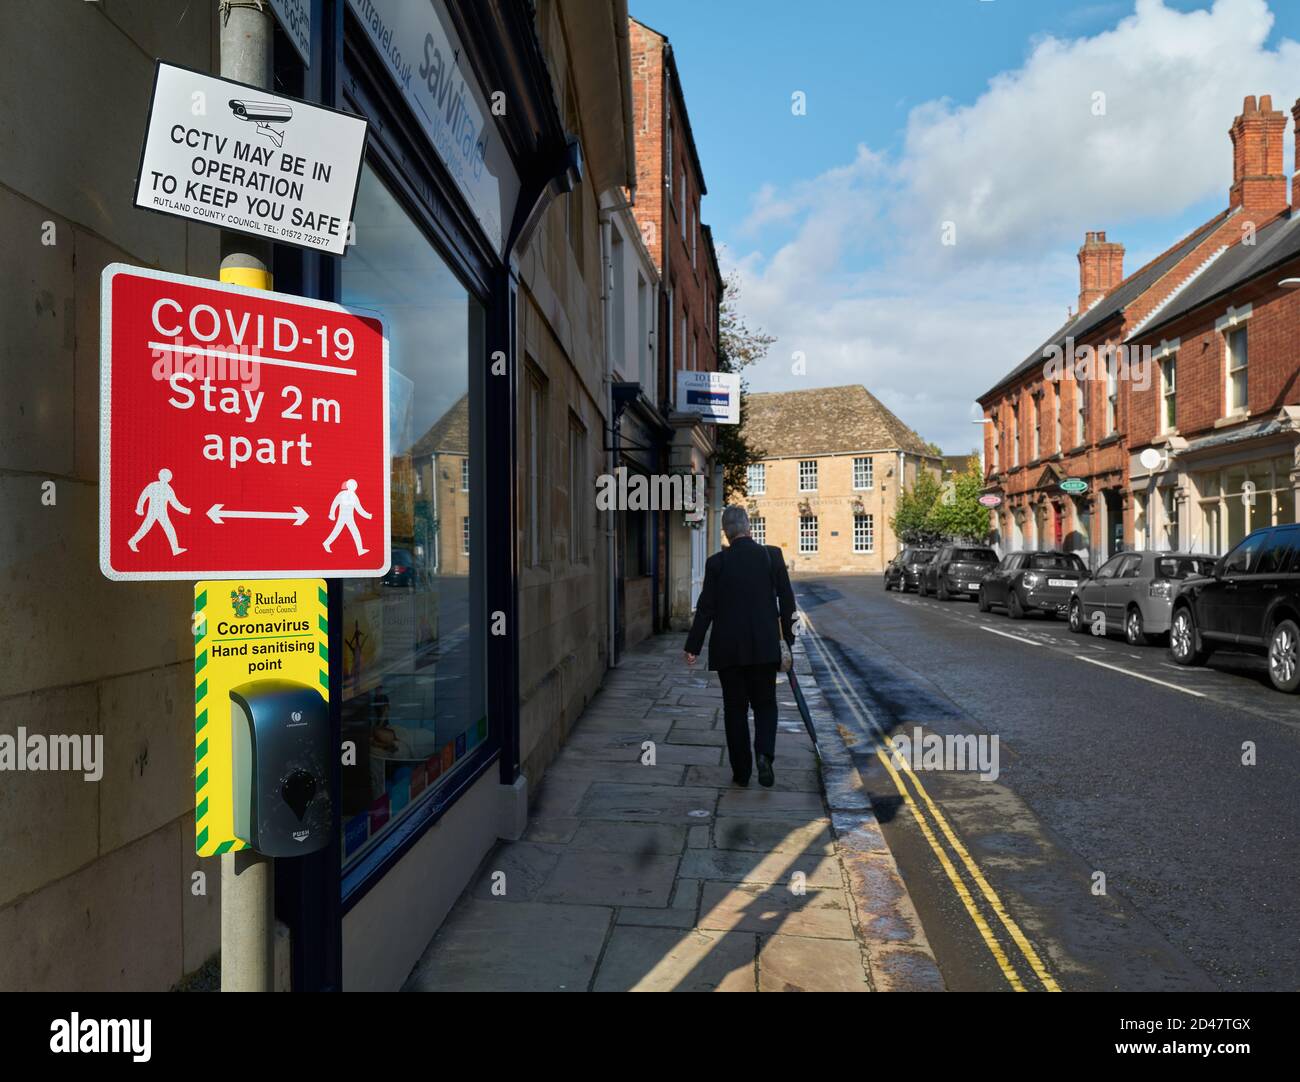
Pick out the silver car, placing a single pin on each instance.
(1134, 591)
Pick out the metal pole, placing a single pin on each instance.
(247, 878)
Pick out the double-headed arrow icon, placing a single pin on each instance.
(219, 514)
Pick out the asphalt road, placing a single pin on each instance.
(1123, 845)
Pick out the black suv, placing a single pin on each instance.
(1032, 581)
(903, 572)
(956, 569)
(1252, 602)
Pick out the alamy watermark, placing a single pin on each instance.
(83, 754)
(624, 491)
(953, 752)
(1085, 362)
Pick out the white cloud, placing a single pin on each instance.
(1022, 171)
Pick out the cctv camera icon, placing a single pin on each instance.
(263, 114)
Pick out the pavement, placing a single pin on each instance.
(644, 868)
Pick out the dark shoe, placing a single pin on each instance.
(738, 780)
(765, 775)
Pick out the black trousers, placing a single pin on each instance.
(743, 687)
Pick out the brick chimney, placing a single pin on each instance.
(1258, 179)
(1101, 268)
(1295, 175)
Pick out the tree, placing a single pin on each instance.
(961, 516)
(738, 348)
(916, 521)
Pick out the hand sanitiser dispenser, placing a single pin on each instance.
(279, 737)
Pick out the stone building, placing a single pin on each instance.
(834, 461)
(484, 256)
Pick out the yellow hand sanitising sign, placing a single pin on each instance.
(269, 628)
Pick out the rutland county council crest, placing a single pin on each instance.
(240, 599)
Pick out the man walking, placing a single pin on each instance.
(744, 585)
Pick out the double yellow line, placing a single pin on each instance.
(893, 763)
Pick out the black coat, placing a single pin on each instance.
(740, 596)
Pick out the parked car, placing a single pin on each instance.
(1134, 592)
(956, 569)
(401, 571)
(1251, 602)
(1025, 582)
(903, 572)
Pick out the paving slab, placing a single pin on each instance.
(772, 836)
(665, 960)
(777, 868)
(648, 803)
(807, 781)
(798, 964)
(592, 877)
(494, 947)
(759, 803)
(752, 907)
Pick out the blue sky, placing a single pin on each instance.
(983, 114)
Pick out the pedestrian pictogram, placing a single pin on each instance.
(244, 433)
(155, 503)
(343, 508)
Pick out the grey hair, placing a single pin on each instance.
(735, 522)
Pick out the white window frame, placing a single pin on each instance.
(1112, 392)
(1015, 434)
(756, 479)
(868, 482)
(464, 474)
(1233, 321)
(1237, 369)
(811, 463)
(1038, 428)
(1169, 393)
(464, 535)
(807, 535)
(864, 533)
(758, 529)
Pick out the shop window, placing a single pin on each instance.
(413, 702)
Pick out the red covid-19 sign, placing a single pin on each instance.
(244, 433)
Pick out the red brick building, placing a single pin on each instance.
(670, 187)
(1223, 407)
(1064, 413)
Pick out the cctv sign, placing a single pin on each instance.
(243, 433)
(247, 160)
